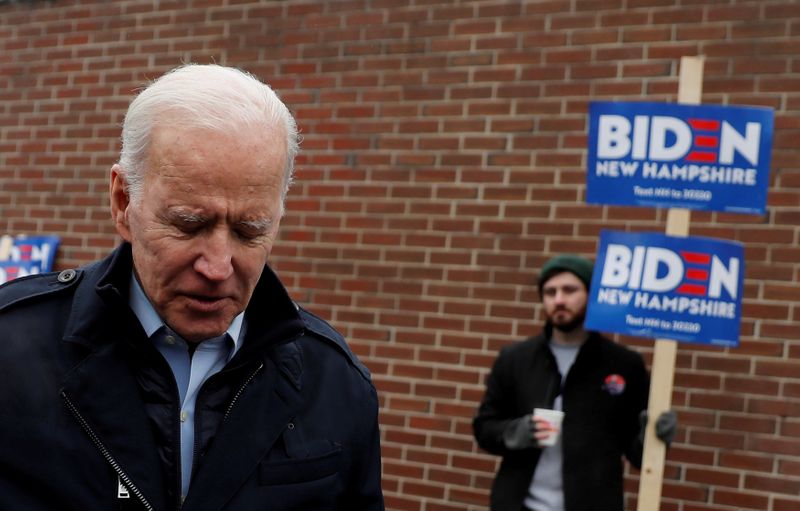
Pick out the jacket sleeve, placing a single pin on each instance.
(640, 391)
(496, 410)
(366, 494)
(363, 482)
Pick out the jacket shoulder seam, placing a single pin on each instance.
(30, 287)
(323, 330)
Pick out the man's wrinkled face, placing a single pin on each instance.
(205, 225)
(564, 297)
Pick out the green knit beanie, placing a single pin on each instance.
(577, 265)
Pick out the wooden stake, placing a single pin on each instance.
(690, 90)
(6, 244)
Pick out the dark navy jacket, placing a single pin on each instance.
(604, 392)
(89, 409)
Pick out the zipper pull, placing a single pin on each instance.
(122, 491)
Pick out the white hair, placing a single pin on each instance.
(205, 96)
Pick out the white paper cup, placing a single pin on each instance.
(554, 418)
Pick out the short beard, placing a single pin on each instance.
(573, 325)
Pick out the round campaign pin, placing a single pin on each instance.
(614, 384)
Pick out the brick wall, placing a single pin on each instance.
(442, 163)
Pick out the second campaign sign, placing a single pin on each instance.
(28, 256)
(703, 157)
(653, 285)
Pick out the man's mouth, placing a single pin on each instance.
(205, 303)
(562, 314)
(205, 298)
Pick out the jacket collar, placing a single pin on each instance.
(100, 308)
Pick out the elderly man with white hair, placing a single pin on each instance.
(177, 373)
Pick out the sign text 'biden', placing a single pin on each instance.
(687, 156)
(652, 285)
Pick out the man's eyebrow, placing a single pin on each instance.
(187, 217)
(257, 224)
(260, 224)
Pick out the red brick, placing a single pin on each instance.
(740, 499)
(779, 485)
(747, 461)
(711, 477)
(786, 504)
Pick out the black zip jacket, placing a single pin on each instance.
(89, 409)
(600, 425)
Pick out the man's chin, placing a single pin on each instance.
(195, 325)
(569, 325)
(196, 332)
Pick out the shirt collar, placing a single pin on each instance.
(151, 321)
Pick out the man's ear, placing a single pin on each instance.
(120, 202)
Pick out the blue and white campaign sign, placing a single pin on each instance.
(27, 256)
(705, 157)
(665, 287)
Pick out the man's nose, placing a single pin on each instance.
(215, 259)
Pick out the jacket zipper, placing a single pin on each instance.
(241, 389)
(107, 455)
(250, 378)
(195, 451)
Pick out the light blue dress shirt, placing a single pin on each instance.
(190, 372)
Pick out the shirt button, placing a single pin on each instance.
(170, 339)
(184, 416)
